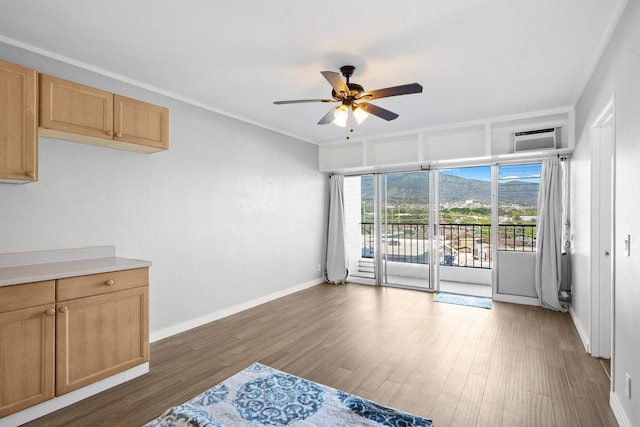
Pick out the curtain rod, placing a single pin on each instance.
(438, 165)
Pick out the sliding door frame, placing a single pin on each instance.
(380, 218)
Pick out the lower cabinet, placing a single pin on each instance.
(99, 336)
(27, 345)
(59, 336)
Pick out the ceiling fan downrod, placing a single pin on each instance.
(347, 71)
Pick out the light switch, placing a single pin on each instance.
(627, 245)
(627, 385)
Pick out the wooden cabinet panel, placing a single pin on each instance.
(68, 107)
(141, 123)
(96, 284)
(18, 123)
(100, 336)
(84, 114)
(17, 297)
(26, 357)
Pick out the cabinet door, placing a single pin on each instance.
(18, 123)
(141, 123)
(100, 336)
(26, 358)
(68, 107)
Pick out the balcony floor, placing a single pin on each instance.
(462, 288)
(473, 289)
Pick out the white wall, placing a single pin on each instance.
(482, 142)
(229, 214)
(617, 72)
(580, 209)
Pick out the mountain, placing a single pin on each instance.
(413, 189)
(519, 192)
(455, 189)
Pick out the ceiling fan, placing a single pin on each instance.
(353, 97)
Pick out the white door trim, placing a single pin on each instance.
(602, 240)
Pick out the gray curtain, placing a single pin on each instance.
(337, 255)
(548, 269)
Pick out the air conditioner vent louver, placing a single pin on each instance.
(536, 139)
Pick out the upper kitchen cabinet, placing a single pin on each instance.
(141, 123)
(84, 114)
(18, 123)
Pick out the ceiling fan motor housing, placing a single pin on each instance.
(355, 90)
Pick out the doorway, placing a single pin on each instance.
(406, 236)
(426, 230)
(602, 231)
(464, 237)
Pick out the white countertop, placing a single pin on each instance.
(29, 267)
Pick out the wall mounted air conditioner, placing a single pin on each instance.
(537, 139)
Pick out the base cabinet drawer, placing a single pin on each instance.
(103, 283)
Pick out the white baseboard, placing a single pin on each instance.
(516, 299)
(70, 398)
(208, 318)
(621, 417)
(584, 337)
(361, 280)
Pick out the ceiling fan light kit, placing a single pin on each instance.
(341, 115)
(359, 114)
(353, 97)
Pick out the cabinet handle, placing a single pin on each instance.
(63, 309)
(110, 132)
(109, 282)
(50, 312)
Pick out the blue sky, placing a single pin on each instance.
(529, 173)
(483, 173)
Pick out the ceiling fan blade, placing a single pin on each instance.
(327, 118)
(392, 91)
(336, 82)
(378, 111)
(301, 101)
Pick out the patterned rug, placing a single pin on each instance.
(463, 300)
(260, 395)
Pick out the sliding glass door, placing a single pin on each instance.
(445, 230)
(464, 230)
(406, 234)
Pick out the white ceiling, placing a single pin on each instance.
(475, 58)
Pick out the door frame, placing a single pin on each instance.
(380, 218)
(601, 313)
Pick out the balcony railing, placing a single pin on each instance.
(461, 245)
(517, 237)
(465, 245)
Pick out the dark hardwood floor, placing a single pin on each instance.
(513, 365)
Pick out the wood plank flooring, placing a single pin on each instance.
(513, 365)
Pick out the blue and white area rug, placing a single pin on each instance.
(260, 395)
(463, 300)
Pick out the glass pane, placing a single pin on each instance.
(405, 229)
(465, 217)
(518, 206)
(465, 231)
(359, 192)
